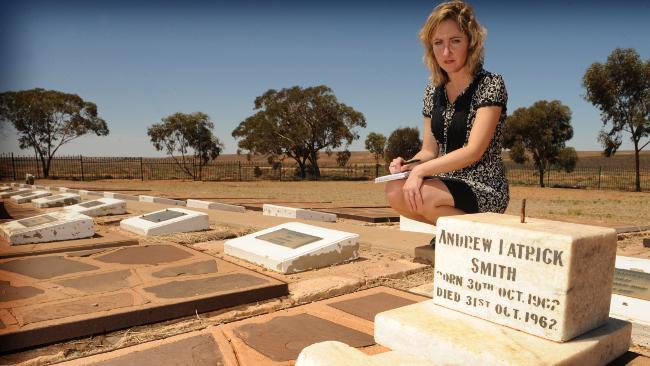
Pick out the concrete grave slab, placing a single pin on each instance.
(278, 338)
(366, 214)
(202, 348)
(99, 207)
(164, 201)
(406, 224)
(337, 353)
(59, 200)
(5, 188)
(532, 276)
(68, 190)
(29, 196)
(64, 296)
(294, 247)
(98, 241)
(121, 196)
(172, 220)
(91, 193)
(446, 336)
(208, 205)
(53, 226)
(14, 192)
(297, 213)
(631, 290)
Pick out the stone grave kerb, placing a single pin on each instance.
(167, 221)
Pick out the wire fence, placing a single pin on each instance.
(94, 168)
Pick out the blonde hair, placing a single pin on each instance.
(464, 16)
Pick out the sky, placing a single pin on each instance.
(142, 61)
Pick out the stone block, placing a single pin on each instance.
(448, 337)
(29, 196)
(99, 207)
(168, 221)
(297, 213)
(121, 196)
(406, 224)
(214, 206)
(54, 226)
(338, 353)
(68, 190)
(58, 200)
(5, 188)
(91, 193)
(631, 290)
(13, 192)
(165, 201)
(547, 278)
(294, 247)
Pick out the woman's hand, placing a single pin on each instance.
(397, 166)
(412, 192)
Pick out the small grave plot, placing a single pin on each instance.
(168, 221)
(63, 199)
(29, 196)
(99, 207)
(294, 247)
(54, 226)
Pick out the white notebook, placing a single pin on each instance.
(389, 177)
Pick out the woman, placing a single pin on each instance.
(464, 116)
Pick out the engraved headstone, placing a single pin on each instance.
(29, 196)
(294, 247)
(14, 192)
(99, 207)
(172, 220)
(58, 200)
(53, 226)
(631, 290)
(165, 201)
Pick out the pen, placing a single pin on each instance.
(411, 161)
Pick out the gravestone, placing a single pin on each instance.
(631, 290)
(29, 196)
(294, 247)
(99, 207)
(531, 293)
(53, 226)
(121, 196)
(297, 213)
(13, 192)
(208, 205)
(406, 224)
(63, 199)
(168, 221)
(165, 201)
(5, 188)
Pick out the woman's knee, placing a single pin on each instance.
(394, 193)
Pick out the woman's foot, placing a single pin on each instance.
(432, 243)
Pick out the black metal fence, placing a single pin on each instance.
(93, 168)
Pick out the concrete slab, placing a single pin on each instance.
(406, 224)
(337, 353)
(74, 294)
(5, 188)
(121, 196)
(294, 247)
(14, 192)
(297, 213)
(367, 214)
(68, 190)
(631, 290)
(59, 200)
(29, 196)
(208, 205)
(98, 241)
(278, 338)
(99, 207)
(162, 200)
(202, 348)
(172, 220)
(53, 226)
(446, 336)
(425, 254)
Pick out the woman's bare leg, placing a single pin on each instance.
(437, 201)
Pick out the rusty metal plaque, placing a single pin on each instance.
(288, 238)
(162, 216)
(632, 284)
(90, 204)
(37, 220)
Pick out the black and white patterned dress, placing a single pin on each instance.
(451, 124)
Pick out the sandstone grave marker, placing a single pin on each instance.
(29, 196)
(172, 220)
(53, 226)
(296, 213)
(13, 192)
(99, 207)
(63, 199)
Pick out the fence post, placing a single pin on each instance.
(81, 162)
(141, 170)
(239, 167)
(600, 168)
(13, 165)
(281, 171)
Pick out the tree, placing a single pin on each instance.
(189, 135)
(342, 157)
(376, 143)
(541, 131)
(404, 142)
(620, 89)
(48, 119)
(298, 123)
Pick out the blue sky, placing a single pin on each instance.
(141, 62)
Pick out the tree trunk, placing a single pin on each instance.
(46, 166)
(313, 158)
(636, 164)
(541, 176)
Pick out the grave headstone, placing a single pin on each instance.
(166, 201)
(5, 188)
(53, 226)
(168, 221)
(208, 205)
(631, 290)
(121, 196)
(63, 199)
(99, 207)
(68, 190)
(297, 213)
(15, 191)
(294, 247)
(406, 224)
(29, 196)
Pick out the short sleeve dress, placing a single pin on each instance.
(482, 186)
